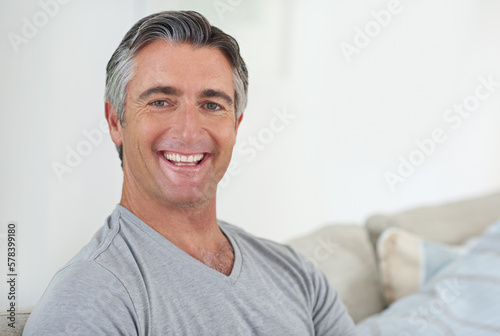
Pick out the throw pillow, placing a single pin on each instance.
(407, 262)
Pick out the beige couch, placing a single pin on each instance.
(347, 254)
(22, 315)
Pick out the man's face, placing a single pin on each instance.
(180, 125)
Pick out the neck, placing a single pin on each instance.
(194, 229)
(177, 223)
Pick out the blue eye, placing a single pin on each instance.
(212, 106)
(159, 103)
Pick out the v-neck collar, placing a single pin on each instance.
(164, 242)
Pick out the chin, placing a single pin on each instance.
(189, 199)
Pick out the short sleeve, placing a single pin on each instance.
(330, 316)
(83, 298)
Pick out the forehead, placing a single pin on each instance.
(182, 65)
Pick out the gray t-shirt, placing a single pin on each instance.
(130, 280)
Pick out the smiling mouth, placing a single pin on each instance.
(184, 160)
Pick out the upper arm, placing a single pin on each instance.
(330, 316)
(84, 299)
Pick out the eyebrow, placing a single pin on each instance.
(168, 90)
(216, 94)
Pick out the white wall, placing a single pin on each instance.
(351, 120)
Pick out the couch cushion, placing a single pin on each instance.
(346, 256)
(22, 314)
(451, 223)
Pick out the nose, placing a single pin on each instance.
(187, 125)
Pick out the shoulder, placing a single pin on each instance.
(83, 273)
(76, 295)
(291, 269)
(88, 293)
(94, 276)
(89, 267)
(83, 281)
(100, 241)
(108, 252)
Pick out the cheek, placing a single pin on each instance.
(142, 134)
(228, 140)
(226, 132)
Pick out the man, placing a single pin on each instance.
(163, 264)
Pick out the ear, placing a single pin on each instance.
(115, 127)
(238, 122)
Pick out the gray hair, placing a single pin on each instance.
(176, 27)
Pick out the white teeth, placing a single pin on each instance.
(176, 158)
